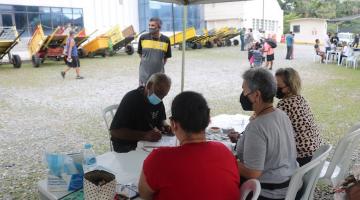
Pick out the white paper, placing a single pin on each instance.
(165, 141)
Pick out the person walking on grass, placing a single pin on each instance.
(72, 57)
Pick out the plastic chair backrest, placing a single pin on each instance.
(251, 185)
(108, 115)
(308, 175)
(342, 155)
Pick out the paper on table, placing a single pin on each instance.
(165, 141)
(237, 122)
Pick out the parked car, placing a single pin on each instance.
(346, 37)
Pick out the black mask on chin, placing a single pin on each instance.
(245, 102)
(279, 93)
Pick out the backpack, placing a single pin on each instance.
(272, 43)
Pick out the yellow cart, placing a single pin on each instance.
(97, 46)
(192, 39)
(9, 38)
(124, 39)
(42, 47)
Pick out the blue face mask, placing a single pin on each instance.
(153, 99)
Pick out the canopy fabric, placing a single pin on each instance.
(187, 2)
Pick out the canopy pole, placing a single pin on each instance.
(183, 48)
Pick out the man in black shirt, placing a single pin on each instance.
(141, 115)
(334, 39)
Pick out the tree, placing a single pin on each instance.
(326, 9)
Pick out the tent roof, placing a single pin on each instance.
(186, 2)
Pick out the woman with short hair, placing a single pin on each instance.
(307, 134)
(197, 169)
(266, 151)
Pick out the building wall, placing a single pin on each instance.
(97, 15)
(310, 29)
(246, 14)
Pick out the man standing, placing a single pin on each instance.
(141, 115)
(72, 57)
(327, 43)
(289, 45)
(242, 39)
(355, 43)
(154, 50)
(249, 39)
(334, 40)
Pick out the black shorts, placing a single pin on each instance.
(270, 57)
(74, 63)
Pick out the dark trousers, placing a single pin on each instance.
(341, 57)
(289, 52)
(304, 160)
(355, 43)
(242, 43)
(264, 198)
(327, 49)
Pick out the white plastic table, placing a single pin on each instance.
(332, 52)
(127, 166)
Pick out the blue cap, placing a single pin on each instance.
(87, 146)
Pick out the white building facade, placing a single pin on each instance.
(248, 14)
(306, 30)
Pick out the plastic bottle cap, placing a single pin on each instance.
(87, 146)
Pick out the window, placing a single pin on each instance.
(148, 9)
(33, 9)
(296, 28)
(21, 23)
(20, 8)
(6, 8)
(34, 20)
(28, 17)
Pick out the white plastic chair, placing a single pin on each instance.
(251, 185)
(335, 171)
(108, 115)
(307, 176)
(317, 58)
(353, 60)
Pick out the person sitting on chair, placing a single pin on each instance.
(267, 149)
(307, 134)
(197, 169)
(318, 51)
(141, 115)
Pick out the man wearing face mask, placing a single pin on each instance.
(154, 49)
(141, 115)
(267, 150)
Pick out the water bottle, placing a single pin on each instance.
(89, 163)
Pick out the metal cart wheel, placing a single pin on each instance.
(35, 61)
(236, 42)
(129, 49)
(16, 61)
(228, 42)
(209, 44)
